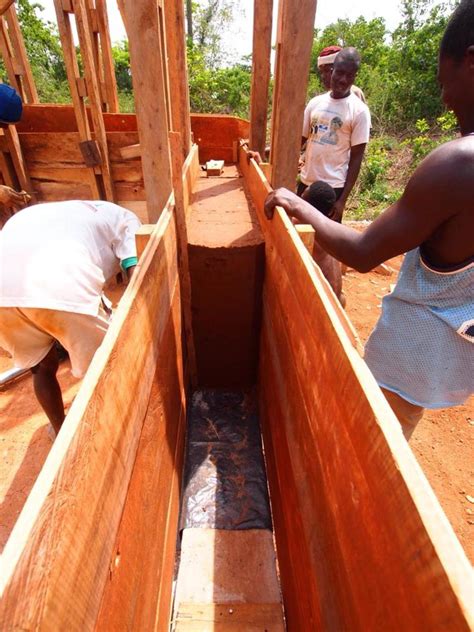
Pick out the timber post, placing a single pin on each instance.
(295, 38)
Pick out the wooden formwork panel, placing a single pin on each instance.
(58, 559)
(362, 541)
(217, 136)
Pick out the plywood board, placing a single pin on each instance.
(138, 588)
(56, 562)
(230, 617)
(359, 530)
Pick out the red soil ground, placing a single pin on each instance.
(442, 442)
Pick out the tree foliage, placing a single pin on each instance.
(398, 71)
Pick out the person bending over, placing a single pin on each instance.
(55, 259)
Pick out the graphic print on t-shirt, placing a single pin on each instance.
(324, 128)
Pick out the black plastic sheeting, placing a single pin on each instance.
(225, 480)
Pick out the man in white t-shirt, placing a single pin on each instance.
(54, 261)
(336, 130)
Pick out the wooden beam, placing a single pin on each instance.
(106, 58)
(259, 189)
(142, 238)
(73, 75)
(183, 260)
(306, 233)
(340, 470)
(93, 89)
(4, 5)
(262, 43)
(57, 560)
(15, 58)
(19, 164)
(131, 151)
(295, 38)
(143, 27)
(178, 72)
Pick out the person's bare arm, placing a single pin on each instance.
(13, 200)
(438, 189)
(355, 162)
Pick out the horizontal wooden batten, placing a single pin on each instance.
(359, 531)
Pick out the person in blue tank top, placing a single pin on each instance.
(421, 351)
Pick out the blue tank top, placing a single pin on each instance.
(423, 344)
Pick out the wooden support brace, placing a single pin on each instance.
(131, 151)
(142, 237)
(91, 153)
(183, 261)
(15, 57)
(21, 172)
(81, 87)
(66, 6)
(306, 233)
(94, 20)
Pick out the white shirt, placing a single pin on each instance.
(59, 255)
(332, 127)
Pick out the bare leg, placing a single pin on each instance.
(407, 414)
(47, 389)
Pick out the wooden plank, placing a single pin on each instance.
(259, 189)
(183, 259)
(131, 151)
(150, 99)
(138, 590)
(21, 171)
(296, 32)
(48, 191)
(306, 234)
(15, 57)
(90, 72)
(142, 238)
(56, 562)
(262, 43)
(230, 617)
(178, 73)
(4, 5)
(72, 70)
(211, 569)
(106, 57)
(340, 471)
(28, 92)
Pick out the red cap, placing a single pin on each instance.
(329, 50)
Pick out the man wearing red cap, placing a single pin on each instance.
(336, 130)
(326, 60)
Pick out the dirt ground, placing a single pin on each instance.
(442, 442)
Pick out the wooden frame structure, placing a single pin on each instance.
(361, 540)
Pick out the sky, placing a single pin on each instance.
(239, 37)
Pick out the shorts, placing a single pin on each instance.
(28, 334)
